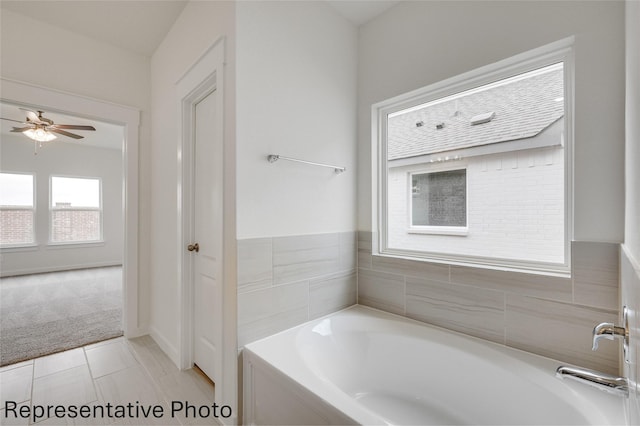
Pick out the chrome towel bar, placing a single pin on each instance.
(273, 158)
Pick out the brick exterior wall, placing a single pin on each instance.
(75, 225)
(515, 207)
(16, 225)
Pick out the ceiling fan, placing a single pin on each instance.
(42, 129)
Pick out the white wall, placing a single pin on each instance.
(80, 65)
(418, 43)
(632, 153)
(296, 75)
(198, 27)
(64, 159)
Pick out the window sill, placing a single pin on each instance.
(19, 248)
(440, 230)
(495, 264)
(75, 244)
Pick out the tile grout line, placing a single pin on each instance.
(33, 384)
(152, 379)
(93, 381)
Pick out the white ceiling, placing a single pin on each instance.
(141, 25)
(115, 22)
(134, 25)
(361, 11)
(106, 135)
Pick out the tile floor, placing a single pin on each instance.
(117, 371)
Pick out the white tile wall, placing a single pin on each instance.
(332, 293)
(596, 274)
(285, 281)
(381, 290)
(561, 331)
(470, 310)
(550, 316)
(255, 268)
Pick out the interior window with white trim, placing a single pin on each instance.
(17, 209)
(439, 201)
(76, 209)
(478, 174)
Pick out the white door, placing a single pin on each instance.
(207, 209)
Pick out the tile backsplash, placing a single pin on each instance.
(285, 281)
(549, 316)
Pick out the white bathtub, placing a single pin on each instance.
(363, 366)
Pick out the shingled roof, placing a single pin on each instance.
(523, 108)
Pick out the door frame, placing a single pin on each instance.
(201, 79)
(30, 95)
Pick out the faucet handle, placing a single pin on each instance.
(609, 331)
(605, 330)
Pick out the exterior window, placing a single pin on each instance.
(439, 199)
(475, 169)
(76, 210)
(16, 209)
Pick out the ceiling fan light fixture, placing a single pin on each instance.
(39, 135)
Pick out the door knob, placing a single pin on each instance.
(194, 247)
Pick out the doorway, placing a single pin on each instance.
(128, 118)
(201, 94)
(61, 232)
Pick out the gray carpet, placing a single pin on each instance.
(42, 314)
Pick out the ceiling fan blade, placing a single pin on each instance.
(20, 129)
(62, 132)
(71, 126)
(32, 115)
(9, 119)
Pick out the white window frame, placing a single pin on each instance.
(560, 51)
(52, 208)
(432, 229)
(33, 243)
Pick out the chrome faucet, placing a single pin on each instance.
(609, 331)
(612, 384)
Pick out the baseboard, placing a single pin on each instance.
(170, 350)
(57, 268)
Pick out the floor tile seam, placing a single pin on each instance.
(149, 376)
(15, 365)
(60, 371)
(155, 381)
(93, 380)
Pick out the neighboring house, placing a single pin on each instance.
(16, 225)
(481, 173)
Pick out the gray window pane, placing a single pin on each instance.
(440, 199)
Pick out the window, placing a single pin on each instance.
(439, 201)
(475, 169)
(76, 210)
(16, 209)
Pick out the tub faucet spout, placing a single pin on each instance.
(612, 384)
